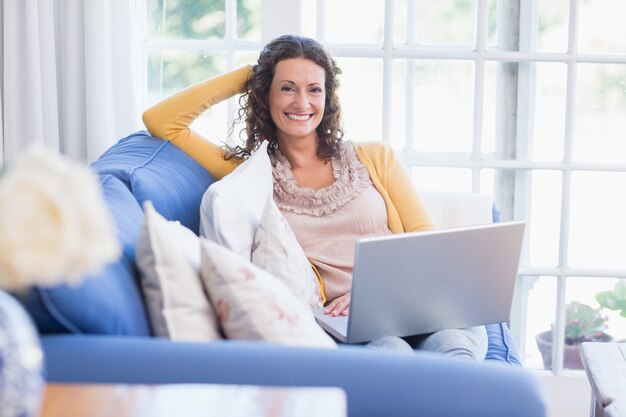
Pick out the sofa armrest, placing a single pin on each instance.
(376, 383)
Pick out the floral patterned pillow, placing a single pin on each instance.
(276, 250)
(252, 304)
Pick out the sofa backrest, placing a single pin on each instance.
(136, 169)
(156, 170)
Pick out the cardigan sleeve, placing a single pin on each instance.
(412, 211)
(170, 119)
(406, 210)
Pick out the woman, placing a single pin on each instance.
(323, 185)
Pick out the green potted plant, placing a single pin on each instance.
(583, 323)
(614, 299)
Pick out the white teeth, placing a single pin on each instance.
(300, 118)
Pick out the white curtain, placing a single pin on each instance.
(1, 85)
(68, 75)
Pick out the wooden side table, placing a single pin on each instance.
(186, 400)
(605, 364)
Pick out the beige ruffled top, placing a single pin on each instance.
(327, 222)
(351, 178)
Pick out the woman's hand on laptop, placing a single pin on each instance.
(339, 306)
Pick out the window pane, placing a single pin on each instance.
(535, 114)
(361, 95)
(398, 113)
(600, 119)
(552, 25)
(601, 26)
(400, 22)
(548, 107)
(308, 17)
(592, 314)
(597, 221)
(443, 97)
(488, 141)
(171, 71)
(545, 218)
(539, 305)
(185, 19)
(443, 179)
(246, 58)
(345, 25)
(492, 26)
(537, 200)
(445, 22)
(249, 20)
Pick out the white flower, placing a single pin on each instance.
(54, 225)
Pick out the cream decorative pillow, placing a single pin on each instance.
(168, 257)
(231, 208)
(252, 304)
(277, 251)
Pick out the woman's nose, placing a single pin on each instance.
(301, 100)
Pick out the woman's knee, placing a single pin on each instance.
(470, 343)
(391, 343)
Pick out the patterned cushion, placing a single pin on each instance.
(252, 304)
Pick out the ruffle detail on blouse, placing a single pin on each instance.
(351, 179)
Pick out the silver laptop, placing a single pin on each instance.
(422, 282)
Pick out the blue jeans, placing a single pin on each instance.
(470, 343)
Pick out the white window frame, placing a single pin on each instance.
(519, 206)
(230, 45)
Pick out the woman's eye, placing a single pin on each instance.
(316, 90)
(286, 88)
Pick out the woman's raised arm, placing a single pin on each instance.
(170, 119)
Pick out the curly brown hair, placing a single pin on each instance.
(254, 103)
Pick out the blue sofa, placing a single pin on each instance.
(99, 332)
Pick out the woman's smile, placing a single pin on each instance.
(299, 117)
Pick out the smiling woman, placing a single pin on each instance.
(441, 81)
(331, 192)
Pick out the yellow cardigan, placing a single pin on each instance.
(170, 119)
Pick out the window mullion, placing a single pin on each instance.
(387, 72)
(230, 37)
(559, 330)
(479, 92)
(410, 77)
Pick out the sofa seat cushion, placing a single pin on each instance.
(108, 302)
(501, 347)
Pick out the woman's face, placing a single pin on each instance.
(297, 98)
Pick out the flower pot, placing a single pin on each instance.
(571, 353)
